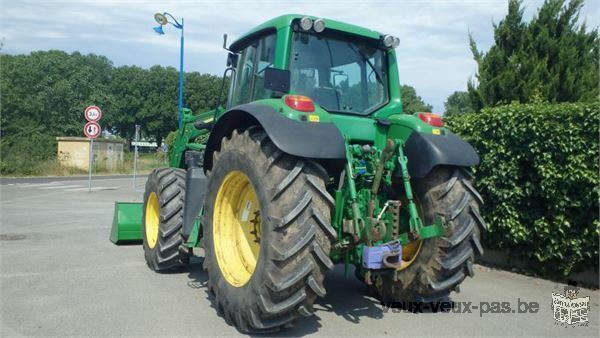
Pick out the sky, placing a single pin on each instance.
(433, 55)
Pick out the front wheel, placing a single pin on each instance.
(162, 220)
(435, 267)
(267, 233)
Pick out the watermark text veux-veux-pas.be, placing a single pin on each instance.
(482, 308)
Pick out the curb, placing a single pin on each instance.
(503, 260)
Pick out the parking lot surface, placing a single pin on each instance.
(60, 275)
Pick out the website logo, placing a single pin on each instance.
(570, 310)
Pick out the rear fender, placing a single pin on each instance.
(426, 151)
(297, 138)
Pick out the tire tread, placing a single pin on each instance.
(294, 272)
(169, 252)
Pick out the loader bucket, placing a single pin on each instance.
(127, 223)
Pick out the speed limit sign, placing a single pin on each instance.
(91, 129)
(93, 113)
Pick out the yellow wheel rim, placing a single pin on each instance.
(410, 253)
(412, 249)
(236, 228)
(152, 220)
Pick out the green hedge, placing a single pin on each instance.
(539, 177)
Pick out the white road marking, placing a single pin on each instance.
(93, 189)
(65, 186)
(38, 185)
(62, 187)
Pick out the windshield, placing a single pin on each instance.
(341, 75)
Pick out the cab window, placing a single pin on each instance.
(250, 71)
(243, 82)
(265, 57)
(342, 75)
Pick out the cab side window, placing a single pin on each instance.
(243, 81)
(250, 71)
(266, 56)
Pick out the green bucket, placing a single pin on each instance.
(127, 223)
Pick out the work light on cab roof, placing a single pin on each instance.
(391, 41)
(317, 25)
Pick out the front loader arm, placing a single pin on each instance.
(187, 134)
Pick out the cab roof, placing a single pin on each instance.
(284, 21)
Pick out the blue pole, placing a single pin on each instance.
(180, 78)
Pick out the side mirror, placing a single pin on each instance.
(225, 42)
(277, 80)
(232, 60)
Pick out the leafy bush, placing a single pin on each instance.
(25, 148)
(170, 139)
(539, 179)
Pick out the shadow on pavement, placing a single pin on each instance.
(346, 297)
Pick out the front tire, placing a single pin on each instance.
(267, 233)
(442, 263)
(163, 220)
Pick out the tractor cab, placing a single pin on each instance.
(341, 72)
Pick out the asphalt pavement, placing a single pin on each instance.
(60, 275)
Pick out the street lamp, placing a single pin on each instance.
(163, 19)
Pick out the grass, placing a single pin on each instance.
(52, 167)
(145, 164)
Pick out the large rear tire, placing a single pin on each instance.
(163, 220)
(267, 233)
(441, 263)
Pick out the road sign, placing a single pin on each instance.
(91, 129)
(93, 113)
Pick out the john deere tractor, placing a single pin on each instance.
(309, 164)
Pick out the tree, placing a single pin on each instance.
(150, 98)
(52, 88)
(43, 95)
(202, 91)
(458, 103)
(158, 114)
(129, 89)
(552, 58)
(411, 102)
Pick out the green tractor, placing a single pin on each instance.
(311, 163)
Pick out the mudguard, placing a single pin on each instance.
(426, 151)
(302, 139)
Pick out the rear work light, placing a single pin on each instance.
(432, 119)
(300, 103)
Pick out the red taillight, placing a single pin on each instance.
(300, 103)
(432, 119)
